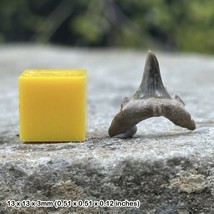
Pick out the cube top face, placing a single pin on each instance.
(52, 105)
(54, 73)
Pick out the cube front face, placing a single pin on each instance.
(52, 105)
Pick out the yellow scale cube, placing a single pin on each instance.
(52, 105)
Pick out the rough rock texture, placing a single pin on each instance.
(167, 168)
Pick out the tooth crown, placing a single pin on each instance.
(151, 84)
(150, 100)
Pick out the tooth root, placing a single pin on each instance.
(151, 85)
(179, 116)
(138, 110)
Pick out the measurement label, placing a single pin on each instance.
(70, 203)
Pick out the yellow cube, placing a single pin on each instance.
(52, 105)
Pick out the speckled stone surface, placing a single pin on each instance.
(167, 168)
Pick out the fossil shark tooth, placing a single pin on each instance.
(150, 100)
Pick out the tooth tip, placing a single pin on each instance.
(150, 53)
(151, 58)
